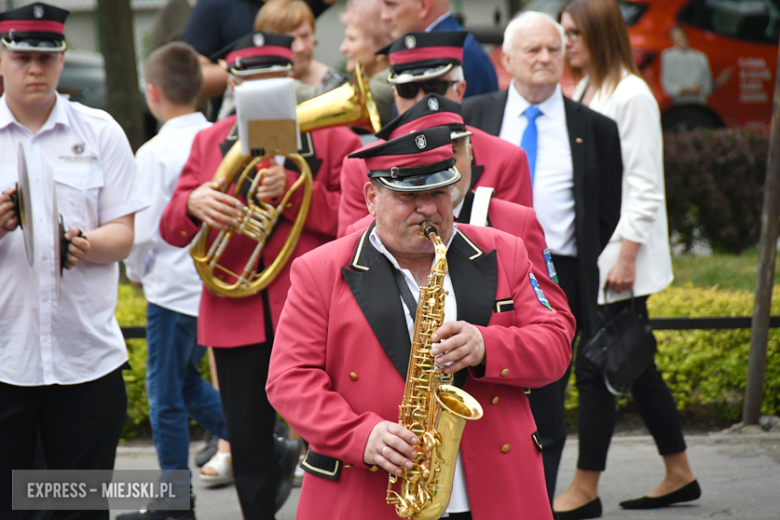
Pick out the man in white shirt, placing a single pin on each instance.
(685, 72)
(174, 386)
(61, 348)
(576, 170)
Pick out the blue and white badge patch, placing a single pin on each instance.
(550, 266)
(538, 290)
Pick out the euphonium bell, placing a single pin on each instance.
(350, 104)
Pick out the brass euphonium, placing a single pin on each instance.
(350, 104)
(434, 410)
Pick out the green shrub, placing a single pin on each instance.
(706, 369)
(714, 184)
(131, 312)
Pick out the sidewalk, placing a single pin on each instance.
(739, 476)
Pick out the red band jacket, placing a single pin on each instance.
(342, 346)
(233, 322)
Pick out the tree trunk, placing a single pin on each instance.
(767, 252)
(122, 91)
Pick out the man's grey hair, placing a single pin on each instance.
(525, 20)
(456, 73)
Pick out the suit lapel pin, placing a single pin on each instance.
(578, 140)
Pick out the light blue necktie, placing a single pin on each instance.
(528, 143)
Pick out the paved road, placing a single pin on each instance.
(739, 476)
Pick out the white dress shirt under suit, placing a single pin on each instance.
(83, 155)
(554, 175)
(166, 272)
(643, 207)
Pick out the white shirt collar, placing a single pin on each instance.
(196, 118)
(437, 22)
(57, 116)
(551, 107)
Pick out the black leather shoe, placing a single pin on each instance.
(590, 510)
(686, 493)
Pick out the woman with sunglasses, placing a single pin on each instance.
(635, 263)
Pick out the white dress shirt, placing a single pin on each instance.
(554, 174)
(167, 272)
(83, 155)
(643, 200)
(685, 69)
(459, 500)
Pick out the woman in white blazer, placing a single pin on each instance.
(636, 261)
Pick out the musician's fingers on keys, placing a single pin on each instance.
(273, 184)
(390, 446)
(213, 207)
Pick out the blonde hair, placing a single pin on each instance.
(283, 16)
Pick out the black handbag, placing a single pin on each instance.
(622, 348)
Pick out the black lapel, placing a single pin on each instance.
(308, 153)
(496, 118)
(370, 278)
(230, 140)
(476, 173)
(577, 127)
(474, 275)
(465, 210)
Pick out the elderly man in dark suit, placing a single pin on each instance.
(576, 169)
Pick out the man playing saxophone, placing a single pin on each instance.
(340, 360)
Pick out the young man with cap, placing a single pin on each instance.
(424, 63)
(434, 16)
(339, 379)
(241, 329)
(61, 349)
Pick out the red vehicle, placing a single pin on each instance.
(726, 76)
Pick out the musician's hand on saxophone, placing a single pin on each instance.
(462, 345)
(273, 184)
(213, 207)
(390, 446)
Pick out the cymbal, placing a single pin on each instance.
(24, 206)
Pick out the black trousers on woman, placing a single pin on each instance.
(597, 406)
(250, 420)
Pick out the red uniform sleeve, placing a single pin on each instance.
(176, 226)
(298, 385)
(535, 245)
(332, 146)
(536, 351)
(353, 204)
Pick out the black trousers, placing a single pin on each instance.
(547, 402)
(597, 406)
(79, 426)
(250, 420)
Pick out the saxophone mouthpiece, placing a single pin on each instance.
(428, 228)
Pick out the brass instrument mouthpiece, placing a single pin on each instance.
(427, 229)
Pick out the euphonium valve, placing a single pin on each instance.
(435, 411)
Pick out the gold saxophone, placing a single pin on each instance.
(432, 409)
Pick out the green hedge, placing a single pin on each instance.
(706, 369)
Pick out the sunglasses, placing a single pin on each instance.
(410, 90)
